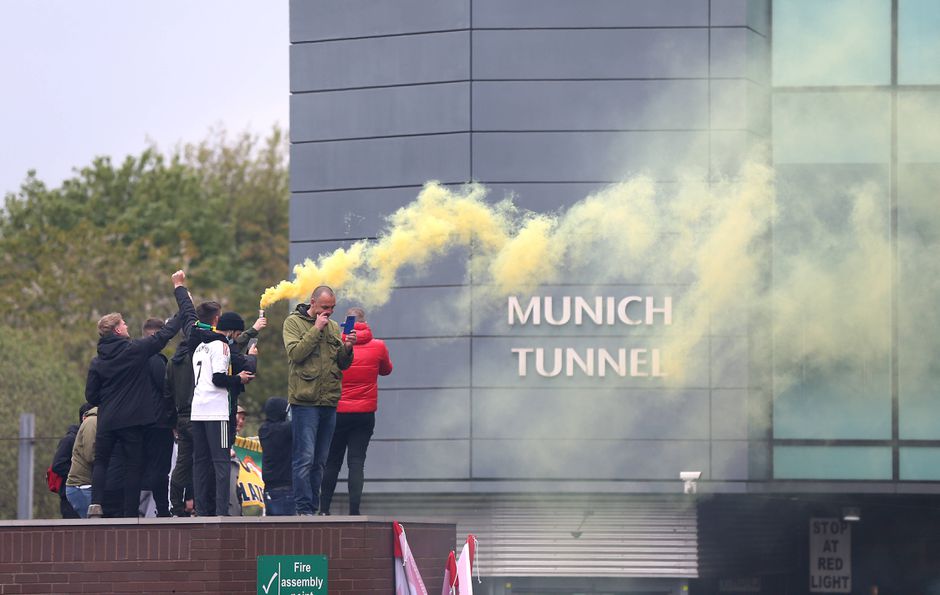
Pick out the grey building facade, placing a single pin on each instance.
(573, 482)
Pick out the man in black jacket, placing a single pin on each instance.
(158, 438)
(119, 384)
(62, 463)
(178, 388)
(276, 439)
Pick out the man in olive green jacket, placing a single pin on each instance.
(317, 355)
(78, 484)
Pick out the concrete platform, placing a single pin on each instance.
(209, 555)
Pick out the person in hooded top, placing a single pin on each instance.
(158, 437)
(77, 486)
(355, 414)
(178, 389)
(232, 325)
(276, 439)
(119, 385)
(62, 465)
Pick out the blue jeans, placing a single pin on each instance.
(279, 501)
(312, 428)
(79, 498)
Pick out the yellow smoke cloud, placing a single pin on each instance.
(712, 241)
(334, 270)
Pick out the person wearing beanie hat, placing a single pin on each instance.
(230, 321)
(232, 325)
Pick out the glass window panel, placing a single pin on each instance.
(832, 127)
(836, 404)
(919, 464)
(832, 462)
(918, 122)
(918, 265)
(918, 297)
(918, 42)
(832, 42)
(832, 303)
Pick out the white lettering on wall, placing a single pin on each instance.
(632, 310)
(591, 362)
(601, 311)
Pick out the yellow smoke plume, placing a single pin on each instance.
(711, 241)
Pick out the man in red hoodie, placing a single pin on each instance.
(355, 414)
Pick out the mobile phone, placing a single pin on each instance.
(349, 325)
(251, 343)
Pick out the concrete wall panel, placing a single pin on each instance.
(590, 105)
(411, 414)
(312, 20)
(585, 156)
(376, 163)
(590, 54)
(424, 312)
(588, 459)
(418, 459)
(422, 109)
(592, 414)
(412, 59)
(589, 13)
(346, 214)
(430, 363)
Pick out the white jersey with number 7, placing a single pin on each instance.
(210, 402)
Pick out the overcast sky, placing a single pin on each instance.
(100, 77)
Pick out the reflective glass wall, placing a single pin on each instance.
(856, 114)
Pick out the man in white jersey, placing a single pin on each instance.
(212, 362)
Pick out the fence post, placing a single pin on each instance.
(24, 484)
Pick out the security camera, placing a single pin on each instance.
(689, 478)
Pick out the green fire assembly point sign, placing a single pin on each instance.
(292, 575)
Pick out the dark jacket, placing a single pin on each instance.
(179, 382)
(275, 434)
(61, 464)
(119, 378)
(360, 381)
(164, 409)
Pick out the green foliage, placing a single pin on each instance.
(108, 239)
(33, 379)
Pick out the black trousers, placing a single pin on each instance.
(158, 455)
(212, 464)
(181, 484)
(353, 432)
(131, 439)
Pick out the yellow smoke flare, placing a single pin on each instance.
(334, 270)
(439, 220)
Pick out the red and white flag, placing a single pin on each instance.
(450, 576)
(465, 566)
(407, 577)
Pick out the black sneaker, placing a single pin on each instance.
(323, 513)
